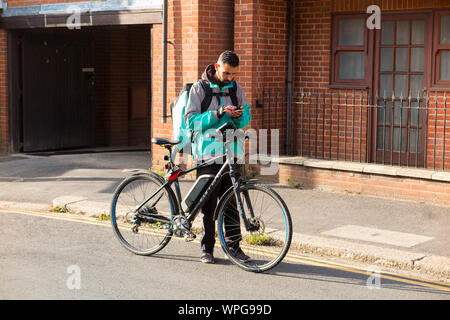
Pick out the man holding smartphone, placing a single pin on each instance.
(220, 78)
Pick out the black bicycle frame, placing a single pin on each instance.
(236, 183)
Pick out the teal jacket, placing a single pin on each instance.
(199, 124)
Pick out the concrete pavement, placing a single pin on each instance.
(403, 234)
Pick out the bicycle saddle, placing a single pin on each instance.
(164, 141)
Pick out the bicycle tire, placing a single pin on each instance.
(266, 246)
(154, 228)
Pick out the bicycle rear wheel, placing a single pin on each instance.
(149, 230)
(269, 240)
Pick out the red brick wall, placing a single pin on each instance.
(215, 30)
(261, 40)
(438, 118)
(158, 128)
(312, 74)
(312, 44)
(433, 192)
(198, 32)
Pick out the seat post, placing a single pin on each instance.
(169, 148)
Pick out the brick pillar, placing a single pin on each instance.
(182, 66)
(261, 41)
(197, 34)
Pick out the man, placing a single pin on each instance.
(220, 78)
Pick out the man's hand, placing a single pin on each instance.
(233, 111)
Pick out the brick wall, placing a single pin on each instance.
(312, 73)
(313, 30)
(438, 125)
(411, 189)
(215, 30)
(312, 44)
(261, 40)
(197, 34)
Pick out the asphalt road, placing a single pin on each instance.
(67, 257)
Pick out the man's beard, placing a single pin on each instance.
(223, 83)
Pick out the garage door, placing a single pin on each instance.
(57, 79)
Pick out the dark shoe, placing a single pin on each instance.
(207, 257)
(239, 254)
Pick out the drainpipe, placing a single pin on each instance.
(164, 71)
(289, 77)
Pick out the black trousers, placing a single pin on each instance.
(208, 240)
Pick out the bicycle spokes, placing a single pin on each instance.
(267, 238)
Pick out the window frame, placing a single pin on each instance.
(436, 83)
(402, 157)
(398, 16)
(371, 37)
(367, 49)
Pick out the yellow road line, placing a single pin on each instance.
(289, 257)
(383, 275)
(339, 264)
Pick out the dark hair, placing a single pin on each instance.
(229, 57)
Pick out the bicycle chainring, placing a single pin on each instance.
(180, 226)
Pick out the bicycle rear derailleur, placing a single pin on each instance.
(181, 227)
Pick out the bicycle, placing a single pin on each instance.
(146, 212)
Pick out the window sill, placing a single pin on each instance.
(348, 86)
(439, 88)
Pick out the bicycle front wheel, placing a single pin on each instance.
(148, 230)
(268, 239)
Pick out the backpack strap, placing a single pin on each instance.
(208, 95)
(232, 93)
(188, 87)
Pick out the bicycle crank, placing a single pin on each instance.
(182, 228)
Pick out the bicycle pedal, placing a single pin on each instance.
(189, 236)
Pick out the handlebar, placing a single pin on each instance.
(221, 131)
